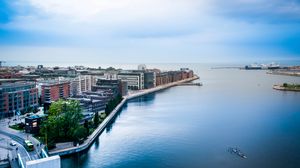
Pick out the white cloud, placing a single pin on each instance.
(117, 10)
(275, 11)
(144, 28)
(105, 17)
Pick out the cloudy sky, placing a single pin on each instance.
(136, 31)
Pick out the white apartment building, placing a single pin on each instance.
(135, 80)
(81, 84)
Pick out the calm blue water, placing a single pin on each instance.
(190, 126)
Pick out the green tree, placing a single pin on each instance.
(86, 126)
(79, 133)
(96, 119)
(63, 120)
(285, 85)
(112, 104)
(110, 69)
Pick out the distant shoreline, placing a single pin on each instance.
(285, 73)
(278, 87)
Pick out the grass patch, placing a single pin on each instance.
(291, 86)
(18, 127)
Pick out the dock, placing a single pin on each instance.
(190, 84)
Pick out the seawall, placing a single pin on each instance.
(89, 141)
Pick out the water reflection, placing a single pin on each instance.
(144, 99)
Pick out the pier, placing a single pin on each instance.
(190, 84)
(89, 141)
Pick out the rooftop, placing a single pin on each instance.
(53, 82)
(35, 116)
(85, 99)
(15, 84)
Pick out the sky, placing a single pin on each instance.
(149, 31)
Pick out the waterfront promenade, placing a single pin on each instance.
(88, 142)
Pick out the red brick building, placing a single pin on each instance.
(19, 97)
(52, 91)
(173, 76)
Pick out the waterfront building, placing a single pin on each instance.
(97, 95)
(113, 86)
(19, 97)
(149, 79)
(134, 79)
(173, 76)
(89, 104)
(190, 74)
(92, 102)
(124, 89)
(54, 90)
(162, 78)
(186, 73)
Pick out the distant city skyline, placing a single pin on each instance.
(149, 31)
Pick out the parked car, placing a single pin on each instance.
(12, 143)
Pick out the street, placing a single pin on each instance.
(8, 135)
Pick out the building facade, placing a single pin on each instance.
(90, 105)
(54, 90)
(33, 123)
(116, 86)
(134, 79)
(149, 80)
(80, 84)
(173, 76)
(19, 97)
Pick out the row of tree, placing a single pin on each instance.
(111, 105)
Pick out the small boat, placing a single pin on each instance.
(238, 152)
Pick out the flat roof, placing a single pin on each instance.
(84, 99)
(36, 116)
(15, 84)
(52, 83)
(10, 80)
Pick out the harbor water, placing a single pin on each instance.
(193, 126)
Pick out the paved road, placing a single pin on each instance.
(20, 140)
(19, 137)
(13, 150)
